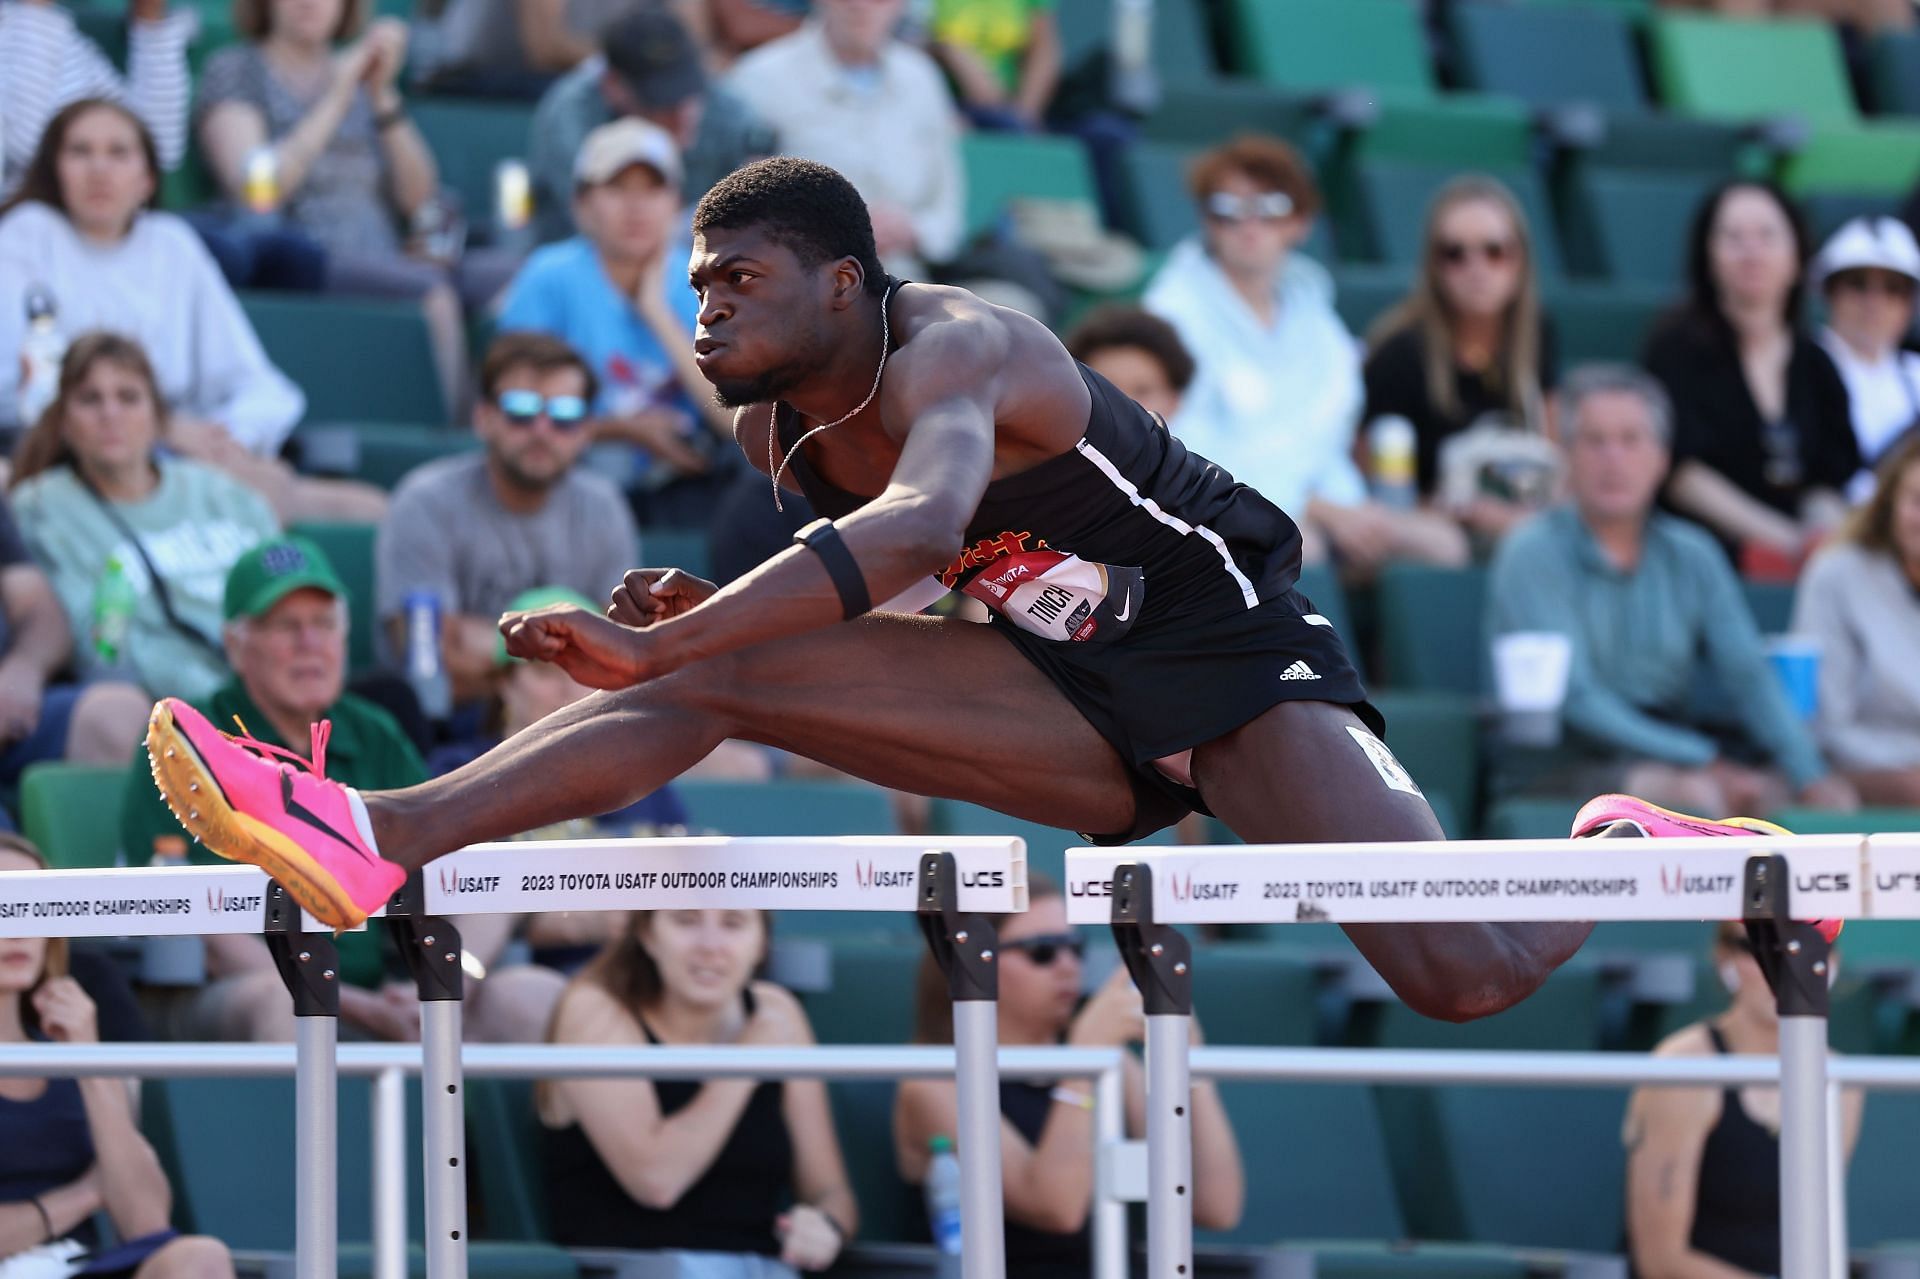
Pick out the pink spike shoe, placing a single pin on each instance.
(1655, 822)
(251, 802)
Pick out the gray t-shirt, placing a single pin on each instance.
(447, 533)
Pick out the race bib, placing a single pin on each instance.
(1061, 597)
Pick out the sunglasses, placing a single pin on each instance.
(1885, 283)
(1047, 947)
(1267, 206)
(1456, 252)
(522, 408)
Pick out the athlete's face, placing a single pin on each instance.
(1616, 459)
(763, 313)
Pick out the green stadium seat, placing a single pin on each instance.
(890, 1210)
(1387, 207)
(1881, 158)
(1363, 293)
(1866, 821)
(1315, 1162)
(1255, 996)
(358, 361)
(1430, 628)
(1736, 70)
(1630, 225)
(870, 992)
(1650, 936)
(1883, 1197)
(504, 1147)
(681, 548)
(469, 139)
(1548, 56)
(1181, 50)
(1004, 167)
(381, 453)
(1855, 1022)
(1896, 73)
(349, 548)
(1825, 211)
(1327, 45)
(1659, 140)
(1532, 818)
(795, 807)
(1604, 321)
(1204, 113)
(1436, 735)
(1321, 585)
(72, 814)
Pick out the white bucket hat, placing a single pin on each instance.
(1879, 243)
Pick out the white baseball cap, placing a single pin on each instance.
(613, 148)
(1879, 243)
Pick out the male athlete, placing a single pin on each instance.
(1147, 654)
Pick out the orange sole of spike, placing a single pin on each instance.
(187, 785)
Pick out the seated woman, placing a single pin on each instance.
(705, 1168)
(1046, 1131)
(71, 1148)
(1868, 272)
(123, 528)
(1763, 441)
(1468, 359)
(1860, 600)
(1703, 1164)
(347, 166)
(81, 232)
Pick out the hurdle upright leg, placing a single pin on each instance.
(1161, 963)
(431, 946)
(310, 967)
(964, 946)
(1796, 960)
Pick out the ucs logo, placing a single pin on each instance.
(983, 879)
(1824, 882)
(1089, 888)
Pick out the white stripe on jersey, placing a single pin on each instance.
(1174, 522)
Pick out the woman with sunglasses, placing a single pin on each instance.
(1046, 1131)
(1763, 439)
(1276, 392)
(1469, 349)
(1703, 1164)
(1868, 273)
(71, 1149)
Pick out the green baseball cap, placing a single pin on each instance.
(538, 597)
(274, 570)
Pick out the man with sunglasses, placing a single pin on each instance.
(1147, 654)
(478, 529)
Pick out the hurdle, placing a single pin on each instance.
(1769, 882)
(949, 884)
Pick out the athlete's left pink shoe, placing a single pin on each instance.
(1663, 823)
(252, 802)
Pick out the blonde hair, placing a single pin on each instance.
(1515, 374)
(1870, 525)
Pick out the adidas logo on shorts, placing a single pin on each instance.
(1299, 670)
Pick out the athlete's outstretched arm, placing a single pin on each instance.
(938, 402)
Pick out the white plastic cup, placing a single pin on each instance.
(1530, 672)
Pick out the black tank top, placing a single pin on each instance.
(45, 1143)
(1128, 530)
(729, 1209)
(1039, 1254)
(1736, 1214)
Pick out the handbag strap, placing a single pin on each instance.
(160, 592)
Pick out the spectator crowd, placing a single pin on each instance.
(175, 521)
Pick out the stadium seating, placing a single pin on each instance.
(1728, 69)
(1604, 321)
(469, 139)
(788, 807)
(1896, 72)
(72, 813)
(1628, 225)
(1431, 627)
(349, 548)
(358, 361)
(1550, 56)
(685, 549)
(1004, 167)
(1321, 585)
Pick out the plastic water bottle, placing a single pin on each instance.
(41, 351)
(426, 674)
(1132, 80)
(113, 604)
(943, 1196)
(1392, 444)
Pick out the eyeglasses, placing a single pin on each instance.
(1266, 207)
(1456, 252)
(1885, 283)
(522, 408)
(1047, 947)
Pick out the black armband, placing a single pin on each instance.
(823, 539)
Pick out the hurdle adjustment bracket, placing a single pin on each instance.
(430, 944)
(1158, 956)
(309, 963)
(1792, 954)
(962, 944)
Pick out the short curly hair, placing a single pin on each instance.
(1113, 325)
(808, 207)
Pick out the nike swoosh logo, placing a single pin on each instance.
(1126, 609)
(301, 812)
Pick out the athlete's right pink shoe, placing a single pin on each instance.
(282, 815)
(1651, 820)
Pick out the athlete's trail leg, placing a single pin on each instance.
(919, 704)
(1295, 775)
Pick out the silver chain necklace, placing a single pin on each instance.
(886, 349)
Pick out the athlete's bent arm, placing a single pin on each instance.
(942, 390)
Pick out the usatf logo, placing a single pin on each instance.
(452, 882)
(220, 902)
(868, 875)
(1675, 882)
(1184, 889)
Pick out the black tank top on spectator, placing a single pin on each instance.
(45, 1143)
(1124, 532)
(1736, 1215)
(1039, 1254)
(730, 1208)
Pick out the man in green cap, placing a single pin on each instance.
(286, 640)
